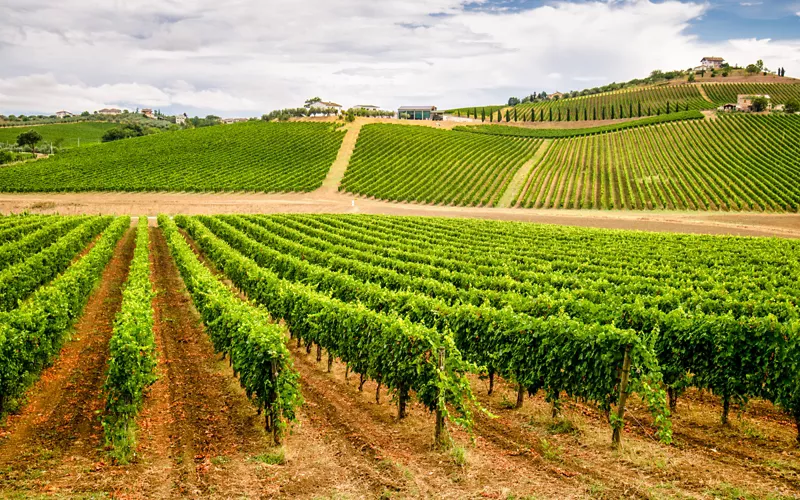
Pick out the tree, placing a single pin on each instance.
(792, 106)
(351, 116)
(30, 138)
(691, 77)
(639, 109)
(85, 113)
(515, 114)
(759, 104)
(567, 114)
(124, 132)
(667, 107)
(760, 65)
(513, 101)
(594, 113)
(313, 100)
(612, 112)
(630, 110)
(508, 117)
(483, 114)
(551, 114)
(752, 69)
(585, 114)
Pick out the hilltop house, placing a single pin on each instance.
(555, 95)
(366, 107)
(230, 121)
(148, 113)
(322, 105)
(711, 62)
(181, 119)
(418, 113)
(63, 114)
(744, 102)
(110, 111)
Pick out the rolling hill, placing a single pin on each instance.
(66, 135)
(253, 156)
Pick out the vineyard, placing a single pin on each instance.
(731, 163)
(403, 163)
(257, 156)
(722, 93)
(440, 314)
(560, 133)
(628, 103)
(66, 135)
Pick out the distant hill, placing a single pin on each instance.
(67, 134)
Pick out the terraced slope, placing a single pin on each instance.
(253, 156)
(627, 103)
(423, 164)
(740, 162)
(66, 135)
(722, 93)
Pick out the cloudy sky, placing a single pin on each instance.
(246, 57)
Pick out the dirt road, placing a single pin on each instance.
(711, 222)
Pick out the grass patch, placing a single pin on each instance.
(562, 425)
(458, 454)
(550, 451)
(274, 457)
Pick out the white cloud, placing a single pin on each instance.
(750, 4)
(247, 57)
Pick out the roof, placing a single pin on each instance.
(330, 104)
(712, 59)
(417, 108)
(62, 111)
(365, 106)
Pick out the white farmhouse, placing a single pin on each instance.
(711, 62)
(63, 114)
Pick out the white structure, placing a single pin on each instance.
(63, 114)
(148, 113)
(366, 107)
(229, 121)
(321, 105)
(181, 119)
(110, 111)
(711, 62)
(744, 102)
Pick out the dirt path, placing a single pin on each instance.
(697, 222)
(703, 93)
(514, 187)
(331, 183)
(55, 443)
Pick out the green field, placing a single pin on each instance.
(423, 164)
(253, 156)
(61, 135)
(739, 162)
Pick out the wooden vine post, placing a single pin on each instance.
(271, 417)
(618, 421)
(439, 435)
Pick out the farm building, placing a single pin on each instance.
(325, 105)
(711, 62)
(366, 107)
(727, 107)
(419, 113)
(148, 113)
(555, 95)
(110, 111)
(63, 114)
(230, 121)
(744, 102)
(181, 119)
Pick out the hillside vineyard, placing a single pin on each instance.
(61, 135)
(410, 163)
(257, 156)
(731, 163)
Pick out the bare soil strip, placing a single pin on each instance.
(697, 222)
(336, 173)
(512, 191)
(54, 444)
(703, 93)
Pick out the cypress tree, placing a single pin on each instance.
(667, 107)
(508, 116)
(687, 106)
(639, 113)
(567, 114)
(515, 113)
(585, 114)
(559, 114)
(603, 114)
(630, 110)
(491, 117)
(551, 114)
(612, 112)
(594, 113)
(483, 114)
(648, 110)
(475, 112)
